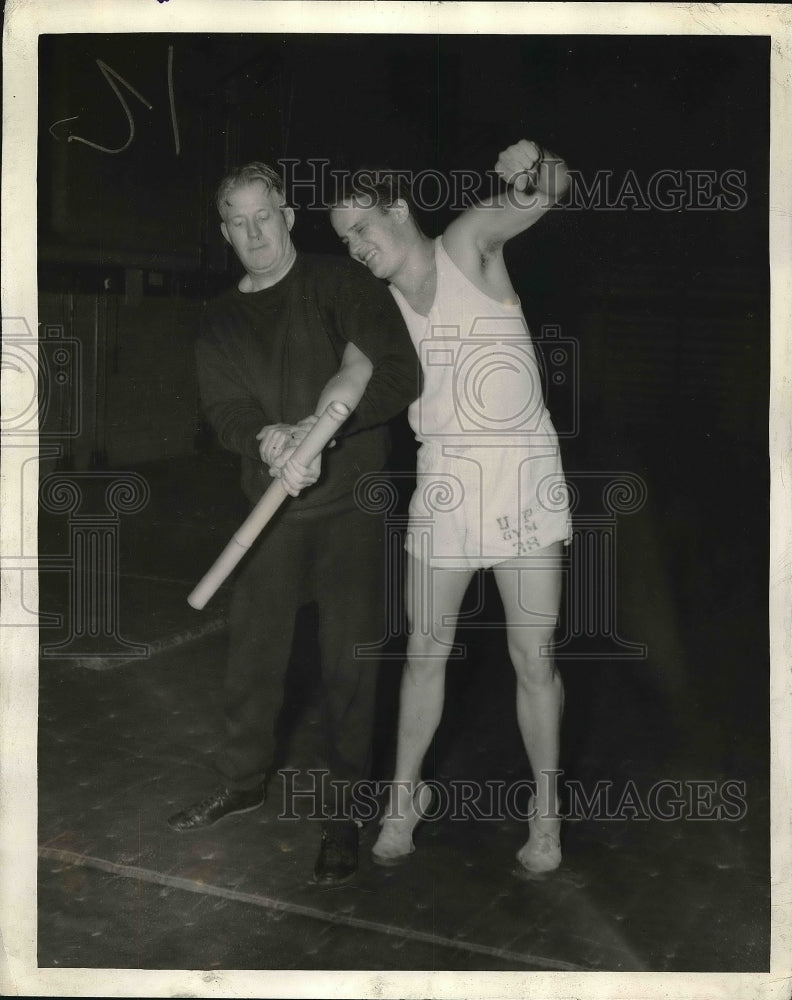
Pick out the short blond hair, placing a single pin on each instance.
(250, 173)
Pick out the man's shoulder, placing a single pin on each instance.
(335, 268)
(325, 264)
(217, 321)
(221, 300)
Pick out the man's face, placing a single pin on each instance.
(257, 225)
(370, 234)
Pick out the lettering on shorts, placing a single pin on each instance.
(522, 536)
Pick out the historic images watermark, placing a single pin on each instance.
(49, 404)
(480, 363)
(306, 793)
(314, 184)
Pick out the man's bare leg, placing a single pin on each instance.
(433, 601)
(531, 590)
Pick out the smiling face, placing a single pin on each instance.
(257, 225)
(372, 235)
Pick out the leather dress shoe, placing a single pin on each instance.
(224, 802)
(337, 861)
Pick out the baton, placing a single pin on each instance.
(314, 442)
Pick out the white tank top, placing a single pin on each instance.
(481, 380)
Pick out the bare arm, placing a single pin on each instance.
(278, 441)
(350, 381)
(536, 179)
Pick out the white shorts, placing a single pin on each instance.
(476, 506)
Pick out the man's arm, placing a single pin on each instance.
(233, 412)
(278, 442)
(536, 179)
(379, 369)
(350, 381)
(379, 376)
(367, 317)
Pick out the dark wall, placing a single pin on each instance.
(669, 307)
(663, 309)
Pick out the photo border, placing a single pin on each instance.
(24, 21)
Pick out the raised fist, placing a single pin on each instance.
(519, 164)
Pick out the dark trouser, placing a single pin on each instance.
(337, 560)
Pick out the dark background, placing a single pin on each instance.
(668, 310)
(669, 307)
(665, 312)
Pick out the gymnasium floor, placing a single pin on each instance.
(124, 742)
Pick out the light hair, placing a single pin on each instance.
(250, 173)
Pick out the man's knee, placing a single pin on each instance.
(431, 647)
(532, 659)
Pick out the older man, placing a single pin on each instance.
(296, 332)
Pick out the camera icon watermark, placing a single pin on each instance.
(498, 382)
(45, 382)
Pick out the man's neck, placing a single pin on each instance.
(258, 282)
(417, 270)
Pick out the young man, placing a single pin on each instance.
(268, 364)
(490, 485)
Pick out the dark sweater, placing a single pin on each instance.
(264, 357)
